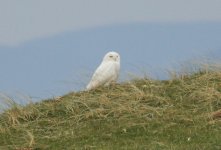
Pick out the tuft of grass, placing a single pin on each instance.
(180, 113)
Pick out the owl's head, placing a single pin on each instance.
(112, 56)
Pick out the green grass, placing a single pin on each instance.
(140, 114)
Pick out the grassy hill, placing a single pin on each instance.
(181, 113)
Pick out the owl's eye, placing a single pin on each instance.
(111, 56)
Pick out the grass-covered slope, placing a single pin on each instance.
(181, 113)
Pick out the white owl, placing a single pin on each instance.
(107, 72)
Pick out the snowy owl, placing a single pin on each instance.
(107, 72)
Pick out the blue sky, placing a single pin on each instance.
(51, 47)
(25, 20)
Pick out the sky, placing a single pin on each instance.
(51, 47)
(24, 20)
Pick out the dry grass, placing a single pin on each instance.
(180, 113)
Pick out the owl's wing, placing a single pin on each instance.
(103, 74)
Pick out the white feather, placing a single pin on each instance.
(107, 72)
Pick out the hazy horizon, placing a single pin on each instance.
(59, 64)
